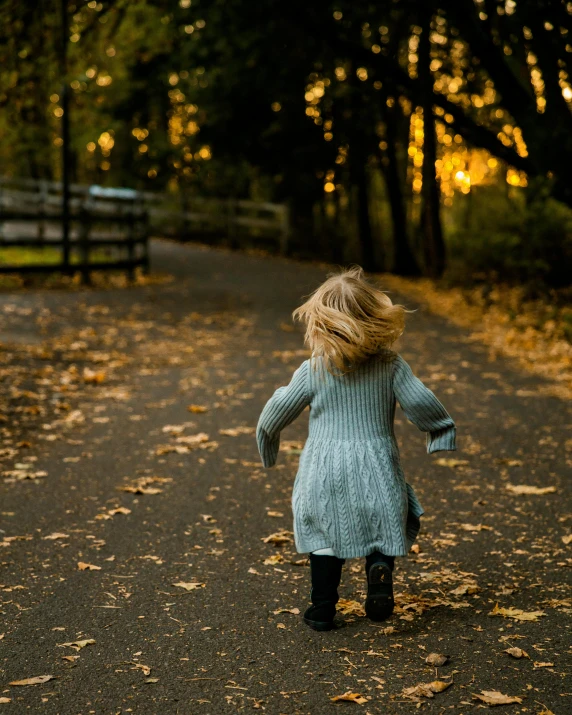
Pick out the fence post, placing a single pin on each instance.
(144, 233)
(130, 241)
(231, 227)
(84, 226)
(285, 230)
(42, 210)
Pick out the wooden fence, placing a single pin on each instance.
(110, 227)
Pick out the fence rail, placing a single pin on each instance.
(119, 221)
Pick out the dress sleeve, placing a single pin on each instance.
(281, 409)
(423, 409)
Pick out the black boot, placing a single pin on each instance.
(379, 601)
(326, 574)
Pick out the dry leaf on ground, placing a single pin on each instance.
(93, 377)
(141, 486)
(82, 566)
(509, 462)
(436, 659)
(523, 489)
(145, 668)
(451, 462)
(476, 527)
(350, 608)
(291, 446)
(189, 586)
(191, 439)
(37, 680)
(349, 697)
(5, 700)
(425, 690)
(274, 559)
(197, 408)
(543, 665)
(517, 613)
(294, 611)
(567, 539)
(279, 538)
(78, 645)
(237, 431)
(517, 653)
(465, 588)
(54, 536)
(494, 697)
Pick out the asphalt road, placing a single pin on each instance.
(94, 399)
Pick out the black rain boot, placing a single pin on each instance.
(326, 574)
(379, 602)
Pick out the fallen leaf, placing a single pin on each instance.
(450, 462)
(425, 690)
(476, 527)
(279, 538)
(543, 665)
(194, 438)
(350, 608)
(276, 514)
(188, 586)
(197, 408)
(140, 489)
(93, 377)
(436, 659)
(71, 658)
(145, 668)
(237, 431)
(5, 700)
(294, 611)
(291, 446)
(141, 486)
(150, 681)
(82, 566)
(517, 613)
(465, 588)
(521, 489)
(567, 539)
(517, 652)
(274, 559)
(349, 697)
(38, 680)
(494, 697)
(54, 536)
(119, 510)
(78, 645)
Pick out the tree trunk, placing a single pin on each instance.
(432, 233)
(368, 259)
(404, 261)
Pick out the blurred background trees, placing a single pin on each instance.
(419, 137)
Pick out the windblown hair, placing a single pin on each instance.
(348, 320)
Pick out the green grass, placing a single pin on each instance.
(48, 256)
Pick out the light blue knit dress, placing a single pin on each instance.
(350, 494)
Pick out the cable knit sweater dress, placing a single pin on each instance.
(350, 494)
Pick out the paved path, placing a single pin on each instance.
(95, 392)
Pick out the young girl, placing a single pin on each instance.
(350, 497)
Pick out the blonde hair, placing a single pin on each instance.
(348, 320)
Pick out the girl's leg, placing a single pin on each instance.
(326, 574)
(379, 602)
